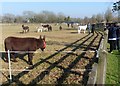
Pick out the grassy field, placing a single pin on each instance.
(113, 69)
(54, 65)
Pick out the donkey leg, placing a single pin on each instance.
(78, 31)
(37, 30)
(41, 30)
(13, 56)
(6, 57)
(84, 31)
(30, 57)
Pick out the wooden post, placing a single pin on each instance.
(93, 75)
(9, 66)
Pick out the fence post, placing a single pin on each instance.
(9, 66)
(102, 64)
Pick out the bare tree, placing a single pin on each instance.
(108, 15)
(99, 18)
(60, 17)
(51, 17)
(39, 18)
(8, 18)
(28, 15)
(93, 19)
(86, 20)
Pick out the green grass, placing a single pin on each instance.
(113, 69)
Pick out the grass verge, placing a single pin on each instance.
(112, 73)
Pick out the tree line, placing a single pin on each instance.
(50, 17)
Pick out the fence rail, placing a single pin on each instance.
(98, 73)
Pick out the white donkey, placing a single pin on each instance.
(82, 28)
(41, 29)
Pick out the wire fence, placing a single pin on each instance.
(22, 52)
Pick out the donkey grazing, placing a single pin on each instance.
(25, 29)
(29, 45)
(44, 28)
(60, 28)
(50, 28)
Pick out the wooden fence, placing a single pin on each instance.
(98, 73)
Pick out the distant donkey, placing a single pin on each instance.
(25, 29)
(60, 28)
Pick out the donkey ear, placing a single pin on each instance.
(44, 37)
(40, 37)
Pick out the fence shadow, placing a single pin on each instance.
(20, 56)
(67, 73)
(75, 32)
(2, 56)
(89, 66)
(67, 70)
